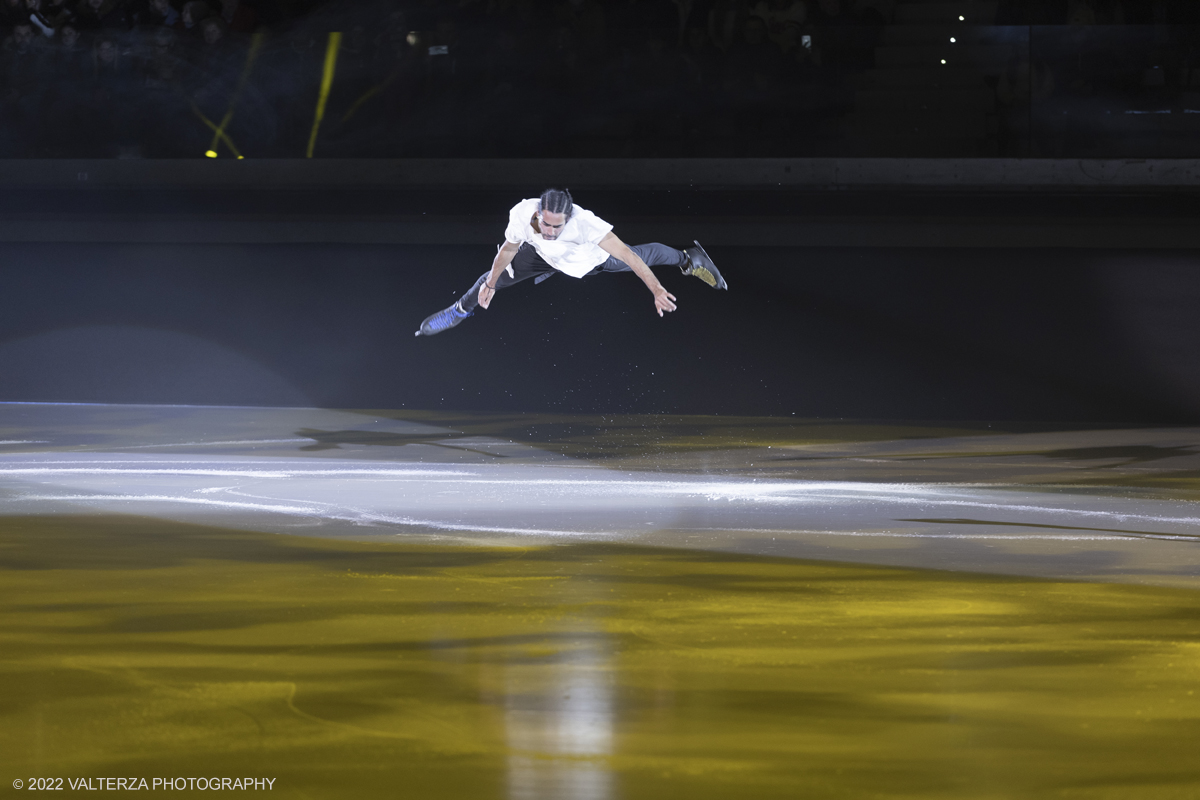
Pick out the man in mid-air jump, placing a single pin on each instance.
(551, 234)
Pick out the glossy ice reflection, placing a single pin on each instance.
(514, 609)
(558, 725)
(131, 646)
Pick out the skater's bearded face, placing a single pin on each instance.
(551, 224)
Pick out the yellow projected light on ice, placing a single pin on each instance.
(130, 646)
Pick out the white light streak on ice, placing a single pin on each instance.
(342, 515)
(307, 511)
(230, 473)
(515, 491)
(1084, 537)
(215, 444)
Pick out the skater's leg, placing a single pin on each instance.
(654, 254)
(525, 264)
(693, 261)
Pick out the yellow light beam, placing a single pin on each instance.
(255, 45)
(331, 54)
(220, 134)
(374, 90)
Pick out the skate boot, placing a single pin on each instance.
(700, 265)
(443, 320)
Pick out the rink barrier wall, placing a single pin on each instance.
(752, 173)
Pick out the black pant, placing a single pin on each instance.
(527, 263)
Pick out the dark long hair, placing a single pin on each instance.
(556, 201)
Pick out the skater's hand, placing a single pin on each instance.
(663, 300)
(486, 293)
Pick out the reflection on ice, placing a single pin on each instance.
(382, 477)
(558, 722)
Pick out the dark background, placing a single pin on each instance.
(1061, 301)
(914, 333)
(627, 79)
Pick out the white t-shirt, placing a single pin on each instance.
(577, 249)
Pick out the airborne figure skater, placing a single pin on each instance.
(551, 234)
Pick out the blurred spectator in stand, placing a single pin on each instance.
(220, 60)
(59, 12)
(725, 22)
(238, 16)
(193, 13)
(212, 31)
(46, 17)
(833, 33)
(800, 67)
(38, 20)
(11, 12)
(101, 15)
(832, 12)
(162, 65)
(69, 72)
(22, 70)
(108, 67)
(694, 14)
(24, 64)
(290, 70)
(779, 15)
(161, 13)
(107, 111)
(70, 57)
(167, 125)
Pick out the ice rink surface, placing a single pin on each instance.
(539, 607)
(1103, 504)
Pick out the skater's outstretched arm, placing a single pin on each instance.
(663, 300)
(503, 258)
